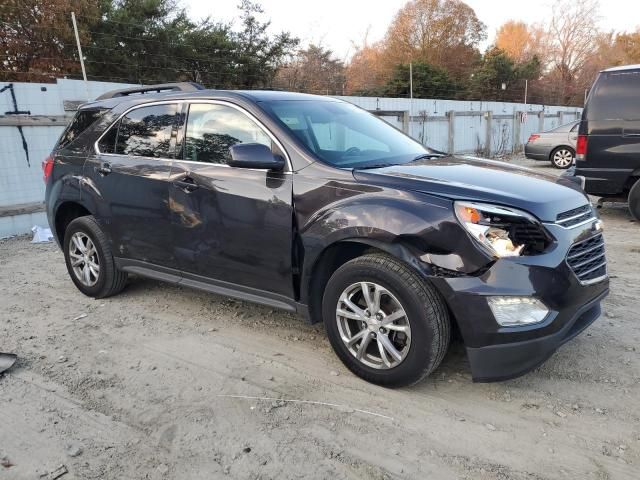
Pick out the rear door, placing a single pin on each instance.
(612, 117)
(232, 225)
(129, 180)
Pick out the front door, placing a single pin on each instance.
(230, 224)
(130, 178)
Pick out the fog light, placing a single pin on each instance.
(517, 311)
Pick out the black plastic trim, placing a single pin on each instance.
(496, 363)
(178, 277)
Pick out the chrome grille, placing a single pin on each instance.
(575, 216)
(587, 260)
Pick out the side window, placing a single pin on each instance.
(146, 131)
(575, 127)
(212, 129)
(81, 122)
(615, 97)
(107, 143)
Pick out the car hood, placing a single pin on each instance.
(470, 178)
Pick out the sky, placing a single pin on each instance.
(339, 24)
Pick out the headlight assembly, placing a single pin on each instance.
(502, 231)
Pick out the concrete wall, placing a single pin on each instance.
(487, 128)
(21, 182)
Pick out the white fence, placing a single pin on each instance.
(30, 127)
(454, 126)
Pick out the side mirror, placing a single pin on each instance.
(254, 155)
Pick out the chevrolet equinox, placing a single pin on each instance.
(315, 206)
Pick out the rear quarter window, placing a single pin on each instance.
(80, 123)
(615, 96)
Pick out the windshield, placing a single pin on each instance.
(344, 135)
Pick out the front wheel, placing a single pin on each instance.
(385, 323)
(562, 157)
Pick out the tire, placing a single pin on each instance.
(634, 200)
(560, 156)
(102, 282)
(427, 319)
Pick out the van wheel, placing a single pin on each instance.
(634, 200)
(562, 157)
(89, 260)
(385, 323)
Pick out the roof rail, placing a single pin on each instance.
(159, 88)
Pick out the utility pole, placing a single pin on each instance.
(522, 127)
(410, 89)
(84, 72)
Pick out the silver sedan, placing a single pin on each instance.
(557, 145)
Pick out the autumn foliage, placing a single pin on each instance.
(439, 44)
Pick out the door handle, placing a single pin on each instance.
(104, 168)
(186, 184)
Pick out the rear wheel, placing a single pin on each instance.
(634, 200)
(384, 322)
(89, 259)
(562, 157)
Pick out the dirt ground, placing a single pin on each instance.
(166, 382)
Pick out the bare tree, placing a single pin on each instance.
(313, 70)
(573, 34)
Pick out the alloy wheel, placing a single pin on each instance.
(84, 259)
(373, 325)
(563, 158)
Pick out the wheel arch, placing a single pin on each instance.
(633, 178)
(65, 213)
(336, 254)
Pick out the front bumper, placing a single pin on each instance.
(498, 353)
(494, 363)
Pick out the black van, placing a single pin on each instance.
(608, 146)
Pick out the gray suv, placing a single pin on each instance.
(315, 206)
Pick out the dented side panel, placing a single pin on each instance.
(332, 207)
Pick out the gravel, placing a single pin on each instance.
(166, 382)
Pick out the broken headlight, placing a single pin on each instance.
(502, 231)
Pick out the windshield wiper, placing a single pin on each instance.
(424, 156)
(375, 165)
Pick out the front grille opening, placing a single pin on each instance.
(532, 235)
(587, 259)
(575, 216)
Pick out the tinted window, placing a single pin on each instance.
(344, 135)
(107, 143)
(212, 129)
(146, 131)
(82, 121)
(615, 96)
